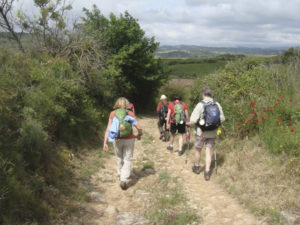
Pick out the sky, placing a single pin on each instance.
(211, 23)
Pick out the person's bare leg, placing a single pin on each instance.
(172, 139)
(208, 159)
(170, 147)
(180, 141)
(197, 156)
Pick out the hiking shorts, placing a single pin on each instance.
(178, 127)
(201, 141)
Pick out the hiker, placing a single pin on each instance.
(119, 131)
(207, 117)
(162, 111)
(177, 119)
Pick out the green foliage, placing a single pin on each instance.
(42, 102)
(48, 102)
(171, 89)
(131, 68)
(258, 99)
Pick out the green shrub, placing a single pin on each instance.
(258, 99)
(43, 102)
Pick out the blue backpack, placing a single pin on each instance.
(211, 116)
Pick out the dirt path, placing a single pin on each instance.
(110, 205)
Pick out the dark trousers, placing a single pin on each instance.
(162, 123)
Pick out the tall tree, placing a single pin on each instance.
(131, 67)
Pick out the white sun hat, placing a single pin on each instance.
(163, 97)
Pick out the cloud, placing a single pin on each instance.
(250, 23)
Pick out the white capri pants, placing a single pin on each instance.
(124, 153)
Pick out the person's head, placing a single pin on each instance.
(206, 92)
(122, 103)
(177, 97)
(163, 98)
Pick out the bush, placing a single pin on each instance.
(258, 100)
(42, 102)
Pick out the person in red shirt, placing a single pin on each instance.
(177, 126)
(162, 111)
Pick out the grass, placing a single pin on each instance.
(170, 204)
(84, 166)
(272, 182)
(147, 138)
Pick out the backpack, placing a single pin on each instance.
(164, 111)
(211, 116)
(179, 115)
(125, 128)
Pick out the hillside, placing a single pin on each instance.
(193, 51)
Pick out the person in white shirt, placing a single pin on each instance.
(206, 128)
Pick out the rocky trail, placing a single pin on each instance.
(110, 205)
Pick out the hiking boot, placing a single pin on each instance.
(170, 148)
(180, 152)
(161, 136)
(207, 175)
(123, 185)
(196, 169)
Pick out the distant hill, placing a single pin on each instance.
(193, 51)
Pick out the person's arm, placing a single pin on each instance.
(168, 118)
(105, 146)
(222, 116)
(187, 117)
(196, 114)
(158, 107)
(140, 131)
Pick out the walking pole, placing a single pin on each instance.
(188, 140)
(216, 166)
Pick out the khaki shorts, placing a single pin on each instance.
(200, 141)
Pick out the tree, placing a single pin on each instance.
(131, 67)
(48, 28)
(7, 23)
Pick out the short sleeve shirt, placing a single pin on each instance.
(130, 113)
(171, 108)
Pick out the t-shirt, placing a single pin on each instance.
(171, 107)
(160, 105)
(112, 115)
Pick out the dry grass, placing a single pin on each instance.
(269, 185)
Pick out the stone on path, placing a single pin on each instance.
(128, 218)
(97, 197)
(111, 210)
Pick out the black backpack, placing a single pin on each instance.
(211, 116)
(164, 111)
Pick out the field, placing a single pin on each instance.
(192, 51)
(194, 68)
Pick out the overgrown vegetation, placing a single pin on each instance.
(58, 93)
(258, 147)
(259, 98)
